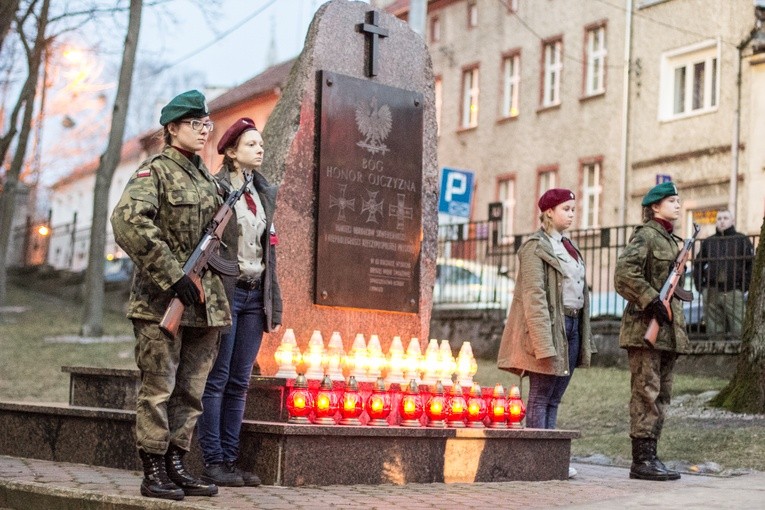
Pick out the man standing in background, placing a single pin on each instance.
(722, 271)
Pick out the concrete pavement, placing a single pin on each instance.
(31, 484)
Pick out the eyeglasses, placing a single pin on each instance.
(197, 125)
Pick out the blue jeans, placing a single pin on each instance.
(546, 391)
(226, 389)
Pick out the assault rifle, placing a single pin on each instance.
(205, 255)
(668, 289)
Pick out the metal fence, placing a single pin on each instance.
(65, 246)
(477, 267)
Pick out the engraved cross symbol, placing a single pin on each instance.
(342, 203)
(372, 29)
(372, 207)
(400, 212)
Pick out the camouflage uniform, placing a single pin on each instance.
(158, 220)
(641, 270)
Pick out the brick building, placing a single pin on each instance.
(600, 96)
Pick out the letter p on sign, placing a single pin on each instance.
(456, 192)
(456, 184)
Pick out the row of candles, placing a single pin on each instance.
(413, 407)
(366, 361)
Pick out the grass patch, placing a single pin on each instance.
(30, 367)
(597, 404)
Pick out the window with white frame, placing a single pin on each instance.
(595, 72)
(506, 196)
(591, 190)
(511, 81)
(472, 13)
(690, 80)
(469, 98)
(546, 180)
(553, 67)
(438, 99)
(435, 29)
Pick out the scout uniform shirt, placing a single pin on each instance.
(573, 282)
(158, 221)
(250, 229)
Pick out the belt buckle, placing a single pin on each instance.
(249, 283)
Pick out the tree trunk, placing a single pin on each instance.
(745, 393)
(93, 317)
(8, 197)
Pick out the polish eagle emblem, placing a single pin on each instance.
(375, 124)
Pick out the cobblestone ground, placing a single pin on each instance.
(593, 487)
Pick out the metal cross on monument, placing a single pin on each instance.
(372, 29)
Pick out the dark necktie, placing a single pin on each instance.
(251, 203)
(570, 248)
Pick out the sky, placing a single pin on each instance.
(236, 44)
(222, 47)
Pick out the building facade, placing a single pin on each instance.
(72, 209)
(605, 97)
(72, 196)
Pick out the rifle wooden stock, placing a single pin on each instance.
(171, 321)
(651, 333)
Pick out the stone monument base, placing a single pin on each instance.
(283, 453)
(295, 455)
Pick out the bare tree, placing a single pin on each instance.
(26, 101)
(93, 317)
(745, 393)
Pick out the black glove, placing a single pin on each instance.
(658, 311)
(187, 292)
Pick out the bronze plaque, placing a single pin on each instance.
(370, 185)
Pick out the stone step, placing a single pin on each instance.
(295, 455)
(111, 388)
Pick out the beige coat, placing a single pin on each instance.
(534, 339)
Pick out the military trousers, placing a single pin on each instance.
(651, 390)
(173, 376)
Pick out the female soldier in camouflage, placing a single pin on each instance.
(641, 270)
(158, 221)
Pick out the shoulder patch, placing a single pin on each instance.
(143, 172)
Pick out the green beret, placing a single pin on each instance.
(188, 104)
(659, 192)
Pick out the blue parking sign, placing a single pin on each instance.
(660, 178)
(456, 192)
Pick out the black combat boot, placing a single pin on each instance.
(644, 464)
(176, 471)
(155, 483)
(671, 473)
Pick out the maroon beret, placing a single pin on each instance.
(234, 132)
(555, 196)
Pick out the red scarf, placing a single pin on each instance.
(186, 153)
(666, 224)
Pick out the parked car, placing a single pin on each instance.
(464, 284)
(610, 305)
(118, 269)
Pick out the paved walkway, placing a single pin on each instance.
(31, 484)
